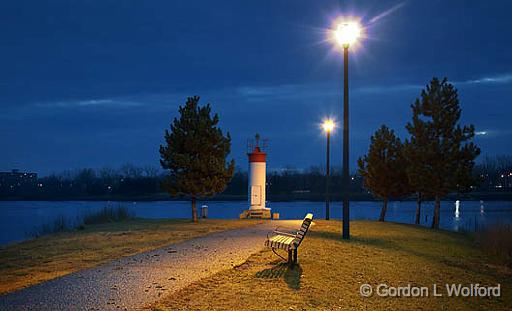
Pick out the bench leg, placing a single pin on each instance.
(290, 259)
(295, 256)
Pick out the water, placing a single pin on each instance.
(19, 218)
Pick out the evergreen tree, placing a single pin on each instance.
(440, 152)
(195, 154)
(383, 168)
(415, 154)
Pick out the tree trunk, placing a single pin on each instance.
(383, 210)
(418, 209)
(194, 209)
(435, 219)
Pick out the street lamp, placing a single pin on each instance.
(328, 126)
(346, 34)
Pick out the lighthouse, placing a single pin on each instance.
(257, 181)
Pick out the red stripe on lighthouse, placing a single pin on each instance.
(257, 156)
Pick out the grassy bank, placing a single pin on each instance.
(331, 271)
(34, 261)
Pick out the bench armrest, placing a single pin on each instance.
(286, 230)
(277, 232)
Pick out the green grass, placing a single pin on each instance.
(50, 256)
(331, 271)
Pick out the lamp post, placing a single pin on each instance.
(328, 126)
(346, 34)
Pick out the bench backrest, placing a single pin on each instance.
(303, 228)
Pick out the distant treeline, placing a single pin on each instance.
(132, 182)
(296, 183)
(145, 182)
(494, 173)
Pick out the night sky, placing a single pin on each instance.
(95, 83)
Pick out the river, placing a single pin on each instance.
(19, 218)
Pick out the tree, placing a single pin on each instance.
(129, 170)
(442, 152)
(383, 167)
(195, 154)
(415, 151)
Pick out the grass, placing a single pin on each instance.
(331, 271)
(50, 256)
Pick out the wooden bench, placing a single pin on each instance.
(289, 242)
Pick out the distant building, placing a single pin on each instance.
(15, 182)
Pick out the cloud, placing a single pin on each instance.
(299, 92)
(496, 79)
(493, 133)
(268, 91)
(492, 79)
(89, 103)
(273, 94)
(386, 13)
(389, 88)
(315, 90)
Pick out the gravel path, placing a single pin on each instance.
(139, 280)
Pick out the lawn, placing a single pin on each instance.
(34, 261)
(331, 271)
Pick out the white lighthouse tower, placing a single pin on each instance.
(257, 182)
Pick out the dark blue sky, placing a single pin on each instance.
(95, 83)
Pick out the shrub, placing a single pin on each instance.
(496, 240)
(60, 224)
(104, 215)
(108, 214)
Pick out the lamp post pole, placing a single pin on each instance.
(327, 176)
(345, 174)
(346, 34)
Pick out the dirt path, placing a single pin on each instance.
(137, 281)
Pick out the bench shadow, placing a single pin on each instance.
(283, 270)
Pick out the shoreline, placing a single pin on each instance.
(357, 197)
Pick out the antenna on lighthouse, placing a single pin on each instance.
(257, 142)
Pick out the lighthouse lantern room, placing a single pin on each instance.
(257, 181)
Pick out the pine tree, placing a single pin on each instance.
(415, 154)
(440, 152)
(383, 167)
(195, 154)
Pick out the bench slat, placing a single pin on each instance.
(280, 241)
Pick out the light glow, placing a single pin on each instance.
(347, 33)
(328, 125)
